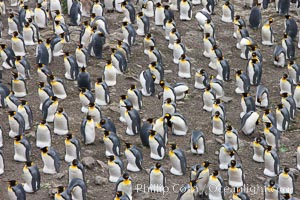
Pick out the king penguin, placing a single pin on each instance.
(110, 74)
(227, 12)
(124, 184)
(11, 100)
(147, 126)
(76, 170)
(32, 177)
(51, 160)
(107, 124)
(147, 80)
(235, 174)
(258, 149)
(271, 162)
(231, 137)
(262, 96)
(42, 54)
(157, 178)
(226, 155)
(43, 135)
(249, 122)
(49, 108)
(143, 24)
(81, 56)
(95, 112)
(15, 190)
(58, 87)
(18, 44)
(22, 149)
(25, 110)
(135, 96)
(178, 123)
(134, 157)
(16, 124)
(286, 181)
(72, 146)
(77, 189)
(267, 33)
(87, 130)
(61, 122)
(112, 144)
(208, 97)
(102, 97)
(84, 79)
(157, 145)
(255, 17)
(282, 117)
(242, 82)
(178, 161)
(86, 97)
(7, 56)
(294, 72)
(71, 67)
(115, 168)
(201, 79)
(216, 181)
(185, 10)
(18, 85)
(133, 121)
(271, 190)
(75, 13)
(198, 142)
(23, 67)
(187, 191)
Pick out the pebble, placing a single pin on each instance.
(100, 180)
(89, 162)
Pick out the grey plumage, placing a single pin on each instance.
(255, 18)
(108, 125)
(36, 177)
(136, 121)
(84, 79)
(96, 45)
(74, 12)
(180, 155)
(144, 134)
(77, 182)
(42, 54)
(55, 156)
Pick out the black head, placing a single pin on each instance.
(126, 176)
(123, 97)
(60, 189)
(229, 127)
(12, 183)
(205, 164)
(268, 124)
(182, 57)
(157, 165)
(60, 110)
(43, 121)
(54, 98)
(91, 104)
(162, 83)
(215, 173)
(280, 106)
(23, 102)
(217, 114)
(232, 163)
(152, 132)
(75, 162)
(239, 72)
(28, 163)
(286, 170)
(128, 145)
(18, 138)
(69, 136)
(106, 133)
(99, 80)
(272, 182)
(44, 149)
(119, 194)
(173, 146)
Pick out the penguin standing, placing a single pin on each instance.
(18, 85)
(198, 142)
(267, 33)
(286, 85)
(282, 117)
(72, 146)
(102, 97)
(178, 161)
(214, 55)
(154, 55)
(147, 126)
(223, 69)
(95, 47)
(168, 107)
(95, 112)
(61, 29)
(157, 145)
(77, 189)
(242, 82)
(185, 8)
(16, 124)
(118, 61)
(218, 124)
(123, 102)
(271, 162)
(157, 178)
(187, 191)
(161, 127)
(98, 7)
(75, 13)
(262, 96)
(57, 44)
(268, 116)
(294, 72)
(178, 50)
(107, 124)
(148, 8)
(110, 74)
(289, 47)
(271, 190)
(202, 176)
(178, 123)
(258, 149)
(134, 157)
(124, 184)
(217, 86)
(42, 54)
(7, 56)
(84, 79)
(51, 160)
(255, 17)
(49, 108)
(235, 174)
(85, 34)
(58, 87)
(115, 168)
(124, 48)
(81, 56)
(286, 181)
(231, 137)
(216, 181)
(201, 79)
(208, 98)
(44, 73)
(18, 44)
(227, 12)
(61, 193)
(254, 70)
(284, 7)
(297, 95)
(112, 143)
(22, 149)
(159, 14)
(22, 65)
(226, 155)
(40, 16)
(147, 82)
(184, 66)
(25, 110)
(49, 48)
(87, 130)
(249, 122)
(208, 43)
(135, 96)
(28, 35)
(220, 107)
(32, 177)
(272, 135)
(76, 170)
(2, 163)
(247, 104)
(143, 24)
(173, 37)
(129, 33)
(239, 194)
(43, 135)
(289, 102)
(133, 121)
(15, 190)
(61, 122)
(169, 25)
(148, 41)
(71, 67)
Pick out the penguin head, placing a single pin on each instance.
(144, 6)
(120, 42)
(215, 47)
(288, 17)
(15, 75)
(38, 5)
(254, 60)
(60, 110)
(66, 54)
(12, 183)
(128, 145)
(286, 170)
(119, 194)
(125, 176)
(54, 98)
(18, 58)
(166, 7)
(178, 41)
(157, 165)
(106, 133)
(279, 106)
(26, 24)
(11, 113)
(217, 101)
(18, 138)
(162, 83)
(75, 162)
(125, 23)
(44, 149)
(23, 102)
(15, 34)
(291, 62)
(168, 100)
(99, 80)
(284, 95)
(232, 163)
(128, 107)
(152, 48)
(270, 20)
(266, 111)
(168, 116)
(25, 7)
(268, 148)
(173, 30)
(268, 124)
(173, 146)
(132, 87)
(108, 62)
(285, 35)
(48, 40)
(148, 35)
(82, 90)
(206, 164)
(69, 136)
(40, 41)
(43, 121)
(82, 69)
(60, 189)
(111, 158)
(237, 190)
(182, 57)
(57, 22)
(124, 3)
(207, 35)
(11, 15)
(272, 182)
(229, 127)
(231, 153)
(62, 35)
(285, 76)
(254, 54)
(215, 173)
(207, 88)
(28, 163)
(240, 26)
(158, 4)
(152, 132)
(101, 34)
(239, 72)
(220, 58)
(227, 3)
(245, 94)
(2, 46)
(92, 104)
(123, 97)
(217, 114)
(286, 196)
(208, 21)
(29, 20)
(140, 14)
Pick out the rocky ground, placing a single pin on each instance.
(93, 155)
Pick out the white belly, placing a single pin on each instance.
(60, 125)
(48, 165)
(70, 153)
(43, 137)
(20, 153)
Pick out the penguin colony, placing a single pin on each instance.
(29, 49)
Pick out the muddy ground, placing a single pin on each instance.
(191, 108)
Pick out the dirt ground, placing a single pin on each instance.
(191, 108)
